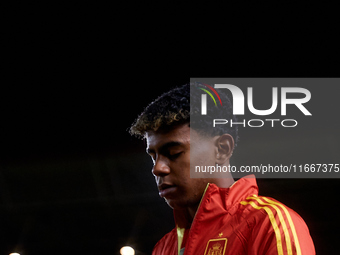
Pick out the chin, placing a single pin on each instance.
(171, 203)
(176, 204)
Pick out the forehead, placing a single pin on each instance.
(179, 133)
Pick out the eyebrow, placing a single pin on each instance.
(165, 146)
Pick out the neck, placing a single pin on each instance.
(192, 212)
(224, 182)
(221, 183)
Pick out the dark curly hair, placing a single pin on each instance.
(183, 105)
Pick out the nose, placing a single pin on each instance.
(161, 167)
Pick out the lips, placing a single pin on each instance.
(166, 190)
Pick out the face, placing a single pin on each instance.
(170, 152)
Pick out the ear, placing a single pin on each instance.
(224, 148)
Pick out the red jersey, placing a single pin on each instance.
(235, 221)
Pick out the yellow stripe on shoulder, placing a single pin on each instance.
(273, 222)
(291, 224)
(282, 221)
(278, 207)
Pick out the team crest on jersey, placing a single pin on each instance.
(216, 246)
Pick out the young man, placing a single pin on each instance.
(214, 216)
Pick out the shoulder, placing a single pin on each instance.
(169, 240)
(276, 225)
(262, 207)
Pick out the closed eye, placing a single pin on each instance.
(174, 156)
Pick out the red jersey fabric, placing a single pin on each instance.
(235, 221)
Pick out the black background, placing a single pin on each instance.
(72, 180)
